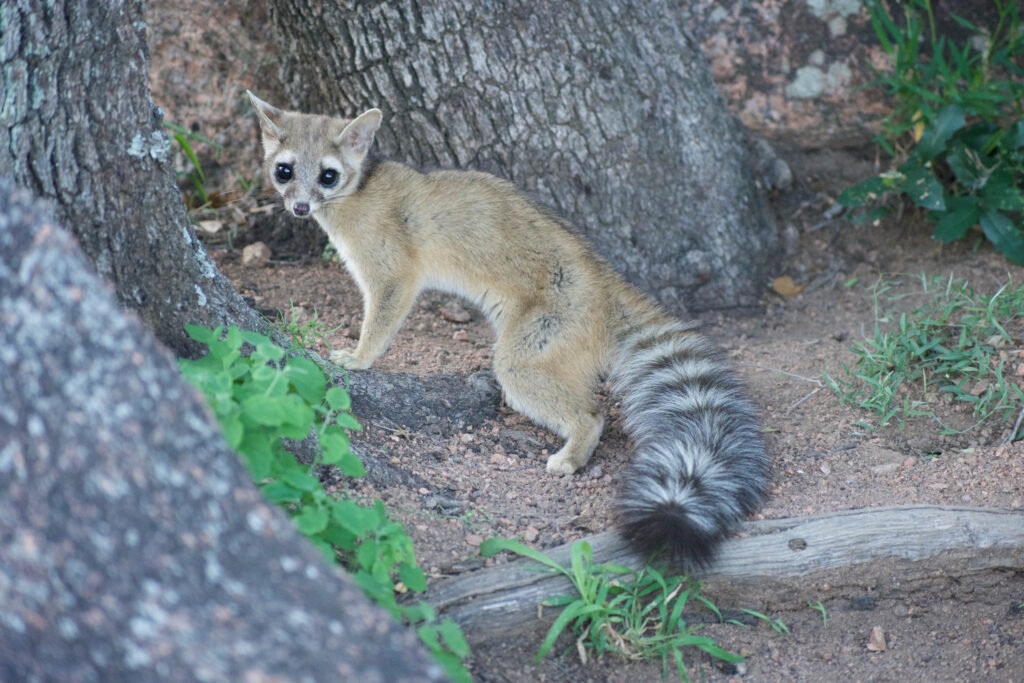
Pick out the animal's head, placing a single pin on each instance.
(313, 160)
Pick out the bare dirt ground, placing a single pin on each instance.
(491, 480)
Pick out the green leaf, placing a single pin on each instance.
(312, 520)
(453, 638)
(300, 479)
(1015, 138)
(338, 399)
(233, 431)
(347, 421)
(233, 338)
(307, 378)
(267, 350)
(1001, 193)
(366, 554)
(935, 136)
(493, 546)
(352, 466)
(573, 611)
(339, 536)
(293, 410)
(923, 188)
(255, 338)
(966, 165)
(201, 334)
(1006, 236)
(258, 452)
(336, 450)
(412, 576)
(356, 519)
(279, 492)
(871, 215)
(864, 192)
(263, 410)
(955, 223)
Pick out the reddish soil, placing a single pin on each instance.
(491, 480)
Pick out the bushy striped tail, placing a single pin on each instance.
(700, 464)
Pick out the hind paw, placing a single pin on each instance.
(561, 464)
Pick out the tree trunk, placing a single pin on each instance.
(133, 544)
(607, 113)
(78, 128)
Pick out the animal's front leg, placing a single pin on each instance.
(386, 307)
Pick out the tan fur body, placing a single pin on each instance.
(558, 311)
(564, 321)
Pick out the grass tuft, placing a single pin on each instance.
(957, 347)
(634, 614)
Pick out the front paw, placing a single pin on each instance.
(348, 359)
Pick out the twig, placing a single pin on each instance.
(790, 374)
(792, 407)
(1016, 426)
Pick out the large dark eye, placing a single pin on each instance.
(283, 173)
(328, 177)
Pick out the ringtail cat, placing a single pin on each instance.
(564, 320)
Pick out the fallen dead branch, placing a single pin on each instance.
(772, 564)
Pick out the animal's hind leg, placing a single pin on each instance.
(556, 390)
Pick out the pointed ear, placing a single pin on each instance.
(269, 117)
(357, 137)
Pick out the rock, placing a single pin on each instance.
(460, 336)
(876, 641)
(455, 312)
(886, 468)
(255, 254)
(531, 534)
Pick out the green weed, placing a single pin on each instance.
(636, 614)
(776, 625)
(193, 175)
(307, 333)
(816, 605)
(958, 343)
(268, 396)
(956, 133)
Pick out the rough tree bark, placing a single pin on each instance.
(78, 128)
(133, 544)
(606, 113)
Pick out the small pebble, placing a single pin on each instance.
(876, 641)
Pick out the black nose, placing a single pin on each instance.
(300, 209)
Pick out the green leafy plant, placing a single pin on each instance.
(957, 342)
(305, 333)
(956, 132)
(193, 175)
(636, 614)
(267, 396)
